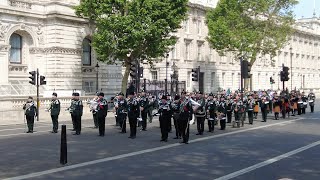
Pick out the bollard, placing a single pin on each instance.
(63, 146)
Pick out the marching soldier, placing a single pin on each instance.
(76, 110)
(115, 101)
(151, 106)
(229, 109)
(312, 98)
(238, 110)
(300, 105)
(30, 111)
(93, 108)
(200, 113)
(121, 108)
(133, 114)
(222, 110)
(264, 108)
(144, 103)
(211, 108)
(176, 111)
(54, 112)
(250, 106)
(256, 107)
(184, 117)
(71, 109)
(102, 110)
(276, 107)
(164, 118)
(305, 103)
(170, 104)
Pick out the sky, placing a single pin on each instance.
(305, 8)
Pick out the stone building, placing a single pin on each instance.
(46, 34)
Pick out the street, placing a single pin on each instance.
(277, 149)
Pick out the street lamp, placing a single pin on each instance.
(166, 79)
(97, 76)
(175, 76)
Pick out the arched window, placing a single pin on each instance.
(86, 56)
(16, 48)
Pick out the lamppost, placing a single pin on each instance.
(291, 66)
(97, 76)
(174, 77)
(166, 79)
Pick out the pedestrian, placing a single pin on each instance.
(30, 111)
(54, 112)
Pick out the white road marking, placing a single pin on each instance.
(267, 162)
(84, 164)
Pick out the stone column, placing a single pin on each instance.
(4, 62)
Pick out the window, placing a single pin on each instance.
(188, 79)
(16, 48)
(187, 50)
(154, 75)
(186, 25)
(210, 54)
(199, 26)
(199, 51)
(174, 52)
(213, 79)
(89, 86)
(86, 56)
(223, 80)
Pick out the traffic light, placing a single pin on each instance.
(285, 70)
(133, 70)
(245, 69)
(195, 74)
(42, 80)
(33, 77)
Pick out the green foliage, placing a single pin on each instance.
(141, 28)
(250, 27)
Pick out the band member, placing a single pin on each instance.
(144, 103)
(229, 109)
(200, 113)
(238, 110)
(151, 107)
(222, 110)
(164, 118)
(264, 108)
(93, 108)
(133, 114)
(54, 112)
(184, 117)
(176, 112)
(71, 109)
(115, 101)
(305, 103)
(250, 105)
(121, 108)
(312, 98)
(256, 108)
(276, 107)
(211, 107)
(76, 113)
(30, 111)
(102, 110)
(300, 105)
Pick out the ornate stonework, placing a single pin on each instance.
(20, 4)
(55, 50)
(4, 48)
(3, 30)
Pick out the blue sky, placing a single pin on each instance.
(306, 7)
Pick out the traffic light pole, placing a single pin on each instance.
(38, 103)
(241, 78)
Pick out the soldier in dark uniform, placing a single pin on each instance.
(238, 109)
(121, 108)
(30, 111)
(54, 112)
(133, 114)
(77, 107)
(211, 108)
(229, 109)
(102, 110)
(264, 108)
(222, 110)
(164, 118)
(250, 106)
(144, 103)
(312, 98)
(151, 106)
(300, 105)
(276, 107)
(184, 117)
(170, 120)
(70, 109)
(200, 113)
(305, 103)
(176, 111)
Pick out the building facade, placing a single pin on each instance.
(301, 55)
(46, 34)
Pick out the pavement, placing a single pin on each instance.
(278, 149)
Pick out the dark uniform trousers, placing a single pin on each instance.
(264, 114)
(229, 116)
(312, 108)
(55, 123)
(223, 122)
(73, 122)
(133, 126)
(250, 116)
(77, 123)
(176, 124)
(30, 122)
(200, 124)
(303, 110)
(144, 115)
(184, 126)
(101, 124)
(122, 119)
(211, 122)
(95, 120)
(164, 123)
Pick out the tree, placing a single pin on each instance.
(131, 30)
(250, 28)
